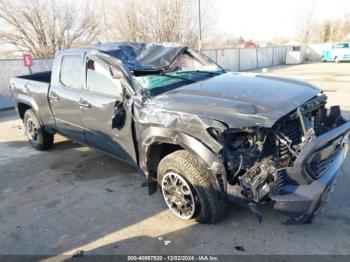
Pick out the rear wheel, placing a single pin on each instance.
(38, 137)
(336, 60)
(186, 188)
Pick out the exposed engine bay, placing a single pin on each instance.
(257, 158)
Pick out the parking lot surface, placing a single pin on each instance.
(72, 199)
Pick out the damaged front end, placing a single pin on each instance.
(293, 163)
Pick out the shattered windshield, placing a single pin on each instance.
(188, 68)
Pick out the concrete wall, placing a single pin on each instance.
(10, 68)
(243, 59)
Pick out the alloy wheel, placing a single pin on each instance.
(32, 129)
(178, 195)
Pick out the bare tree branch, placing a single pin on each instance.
(43, 27)
(158, 20)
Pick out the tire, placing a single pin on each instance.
(336, 60)
(38, 137)
(209, 205)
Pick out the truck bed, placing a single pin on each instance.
(33, 90)
(40, 77)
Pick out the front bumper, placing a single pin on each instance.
(303, 201)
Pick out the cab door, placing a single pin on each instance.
(105, 114)
(64, 95)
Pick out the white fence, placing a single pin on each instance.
(243, 59)
(14, 67)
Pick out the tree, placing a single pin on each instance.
(159, 20)
(334, 30)
(326, 32)
(43, 27)
(305, 24)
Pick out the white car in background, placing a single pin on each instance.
(339, 52)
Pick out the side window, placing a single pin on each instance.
(99, 80)
(71, 71)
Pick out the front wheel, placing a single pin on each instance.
(336, 60)
(186, 188)
(38, 137)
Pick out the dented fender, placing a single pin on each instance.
(158, 135)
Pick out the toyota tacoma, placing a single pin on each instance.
(202, 135)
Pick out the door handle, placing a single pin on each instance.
(84, 104)
(54, 97)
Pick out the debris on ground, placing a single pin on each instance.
(165, 242)
(109, 190)
(240, 248)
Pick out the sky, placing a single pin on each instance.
(266, 19)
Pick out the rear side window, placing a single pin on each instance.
(70, 74)
(99, 80)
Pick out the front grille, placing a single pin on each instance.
(278, 187)
(291, 137)
(317, 169)
(313, 104)
(319, 118)
(291, 130)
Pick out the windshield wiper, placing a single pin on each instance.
(179, 77)
(201, 71)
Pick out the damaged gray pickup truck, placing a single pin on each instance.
(204, 136)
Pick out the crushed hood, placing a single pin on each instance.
(238, 99)
(142, 56)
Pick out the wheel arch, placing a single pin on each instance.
(22, 108)
(24, 103)
(157, 142)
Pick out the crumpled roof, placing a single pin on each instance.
(142, 56)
